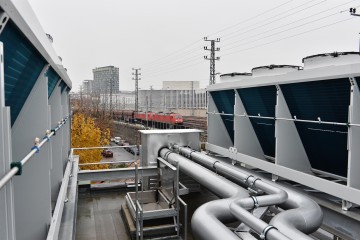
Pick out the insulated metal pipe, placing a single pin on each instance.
(214, 212)
(219, 211)
(276, 195)
(305, 215)
(220, 186)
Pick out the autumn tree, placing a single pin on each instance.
(85, 133)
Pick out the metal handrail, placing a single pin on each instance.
(14, 170)
(185, 216)
(70, 171)
(319, 121)
(109, 147)
(141, 221)
(117, 162)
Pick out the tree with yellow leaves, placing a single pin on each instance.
(85, 133)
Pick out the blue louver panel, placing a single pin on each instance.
(325, 145)
(358, 81)
(53, 78)
(261, 100)
(224, 101)
(62, 85)
(22, 66)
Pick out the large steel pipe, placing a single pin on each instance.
(207, 220)
(304, 216)
(219, 211)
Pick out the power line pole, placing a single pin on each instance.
(151, 92)
(81, 97)
(212, 57)
(136, 73)
(353, 13)
(192, 99)
(111, 92)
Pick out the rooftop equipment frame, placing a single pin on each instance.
(290, 161)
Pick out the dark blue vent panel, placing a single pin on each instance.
(358, 81)
(325, 145)
(62, 86)
(261, 100)
(22, 66)
(53, 78)
(224, 101)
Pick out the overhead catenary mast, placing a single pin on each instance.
(136, 73)
(212, 57)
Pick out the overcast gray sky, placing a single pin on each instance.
(164, 37)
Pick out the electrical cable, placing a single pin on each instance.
(295, 35)
(193, 43)
(188, 53)
(176, 61)
(176, 51)
(278, 19)
(176, 69)
(286, 30)
(194, 55)
(251, 18)
(261, 33)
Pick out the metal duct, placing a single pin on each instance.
(226, 210)
(305, 215)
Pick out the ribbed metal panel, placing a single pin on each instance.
(325, 145)
(53, 78)
(224, 101)
(261, 100)
(22, 66)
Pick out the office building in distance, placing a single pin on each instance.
(106, 80)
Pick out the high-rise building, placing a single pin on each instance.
(106, 80)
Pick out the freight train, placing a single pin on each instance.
(131, 116)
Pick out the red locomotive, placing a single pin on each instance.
(172, 118)
(128, 115)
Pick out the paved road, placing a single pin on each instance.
(120, 155)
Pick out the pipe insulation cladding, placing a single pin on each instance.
(233, 207)
(302, 216)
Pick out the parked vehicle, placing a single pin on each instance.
(107, 153)
(134, 150)
(126, 144)
(117, 140)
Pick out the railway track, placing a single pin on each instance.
(188, 123)
(198, 123)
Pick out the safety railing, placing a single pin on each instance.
(109, 147)
(16, 167)
(185, 214)
(129, 162)
(139, 206)
(115, 162)
(295, 119)
(67, 193)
